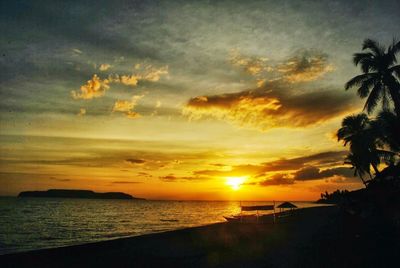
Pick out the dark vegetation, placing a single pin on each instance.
(373, 139)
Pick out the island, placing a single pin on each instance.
(87, 194)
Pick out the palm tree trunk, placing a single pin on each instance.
(363, 181)
(375, 169)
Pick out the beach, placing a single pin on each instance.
(312, 237)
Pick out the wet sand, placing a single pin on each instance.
(313, 237)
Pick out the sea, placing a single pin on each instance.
(37, 223)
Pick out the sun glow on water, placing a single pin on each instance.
(235, 182)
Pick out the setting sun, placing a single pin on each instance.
(235, 182)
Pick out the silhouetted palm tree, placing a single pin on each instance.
(365, 143)
(378, 81)
(353, 128)
(360, 166)
(387, 129)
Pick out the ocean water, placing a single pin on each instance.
(36, 223)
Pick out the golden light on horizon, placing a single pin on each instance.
(235, 182)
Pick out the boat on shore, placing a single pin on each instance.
(263, 218)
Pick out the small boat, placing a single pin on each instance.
(242, 218)
(253, 218)
(231, 218)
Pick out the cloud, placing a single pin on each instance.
(132, 115)
(274, 105)
(152, 74)
(144, 174)
(277, 179)
(279, 100)
(252, 65)
(135, 161)
(304, 66)
(104, 67)
(320, 159)
(307, 65)
(127, 80)
(59, 179)
(286, 171)
(82, 112)
(126, 107)
(77, 51)
(239, 170)
(169, 177)
(314, 173)
(94, 88)
(141, 73)
(126, 182)
(172, 177)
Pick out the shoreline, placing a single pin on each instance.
(313, 237)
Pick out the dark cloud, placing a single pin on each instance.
(126, 182)
(277, 179)
(135, 161)
(320, 159)
(144, 174)
(169, 177)
(277, 104)
(324, 158)
(312, 167)
(172, 177)
(314, 173)
(218, 165)
(235, 171)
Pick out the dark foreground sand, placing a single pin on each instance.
(314, 237)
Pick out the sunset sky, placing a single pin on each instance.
(215, 100)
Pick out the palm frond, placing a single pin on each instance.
(367, 63)
(373, 98)
(358, 57)
(374, 46)
(393, 49)
(385, 156)
(358, 80)
(396, 70)
(365, 87)
(385, 100)
(386, 125)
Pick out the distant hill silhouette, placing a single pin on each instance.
(62, 193)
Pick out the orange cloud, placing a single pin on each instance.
(127, 107)
(128, 80)
(172, 177)
(94, 88)
(252, 65)
(308, 65)
(104, 67)
(135, 161)
(286, 171)
(277, 179)
(82, 112)
(141, 73)
(314, 173)
(274, 105)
